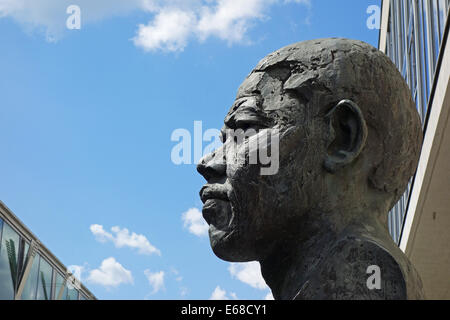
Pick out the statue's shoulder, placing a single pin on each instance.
(360, 268)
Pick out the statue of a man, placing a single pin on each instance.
(348, 141)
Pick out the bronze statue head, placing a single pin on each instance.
(348, 139)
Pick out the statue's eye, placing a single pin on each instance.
(244, 125)
(245, 130)
(241, 127)
(249, 122)
(238, 133)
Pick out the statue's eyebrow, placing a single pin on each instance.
(250, 116)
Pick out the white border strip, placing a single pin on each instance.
(384, 25)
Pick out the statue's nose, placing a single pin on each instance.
(212, 166)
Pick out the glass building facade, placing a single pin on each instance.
(28, 271)
(415, 32)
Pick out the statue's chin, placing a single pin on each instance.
(226, 240)
(228, 247)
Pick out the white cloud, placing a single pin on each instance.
(77, 271)
(230, 19)
(194, 222)
(169, 31)
(155, 279)
(269, 296)
(173, 22)
(249, 273)
(227, 20)
(123, 238)
(110, 274)
(220, 294)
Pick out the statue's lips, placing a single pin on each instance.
(216, 209)
(213, 191)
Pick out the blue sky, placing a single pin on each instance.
(87, 116)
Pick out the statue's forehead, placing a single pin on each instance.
(286, 68)
(293, 67)
(276, 82)
(309, 52)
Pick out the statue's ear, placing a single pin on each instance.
(348, 130)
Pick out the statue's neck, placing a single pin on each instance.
(294, 260)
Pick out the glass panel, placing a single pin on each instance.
(82, 297)
(73, 294)
(70, 294)
(435, 18)
(29, 291)
(8, 262)
(59, 283)
(44, 281)
(442, 16)
(420, 30)
(1, 228)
